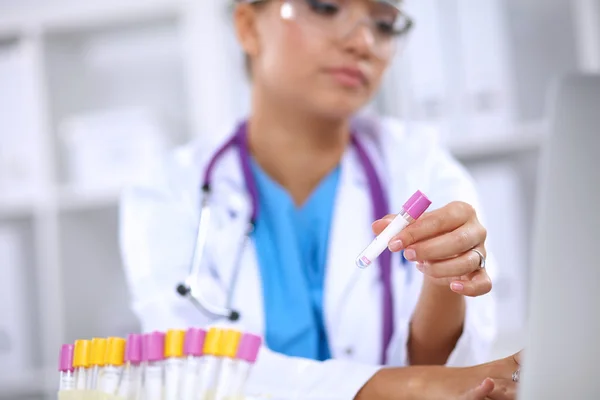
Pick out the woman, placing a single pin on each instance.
(312, 178)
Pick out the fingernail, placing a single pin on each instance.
(410, 255)
(420, 267)
(395, 245)
(457, 286)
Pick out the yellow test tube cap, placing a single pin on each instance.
(212, 341)
(229, 343)
(174, 343)
(98, 352)
(115, 351)
(82, 353)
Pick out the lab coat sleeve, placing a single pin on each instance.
(279, 376)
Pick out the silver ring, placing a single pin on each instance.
(516, 375)
(481, 258)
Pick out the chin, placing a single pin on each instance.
(340, 105)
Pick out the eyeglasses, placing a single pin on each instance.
(338, 19)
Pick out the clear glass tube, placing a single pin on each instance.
(153, 380)
(131, 382)
(207, 377)
(67, 380)
(109, 379)
(173, 377)
(93, 377)
(190, 377)
(81, 378)
(242, 372)
(225, 379)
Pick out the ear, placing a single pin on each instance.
(245, 28)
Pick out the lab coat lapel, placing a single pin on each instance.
(349, 235)
(233, 256)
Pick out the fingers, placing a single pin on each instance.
(477, 283)
(517, 357)
(453, 267)
(379, 225)
(504, 389)
(448, 245)
(481, 392)
(445, 219)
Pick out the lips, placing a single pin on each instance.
(349, 76)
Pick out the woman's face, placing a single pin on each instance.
(325, 56)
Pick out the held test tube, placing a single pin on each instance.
(65, 367)
(110, 374)
(410, 212)
(153, 355)
(131, 381)
(193, 350)
(228, 348)
(97, 361)
(174, 363)
(245, 358)
(81, 363)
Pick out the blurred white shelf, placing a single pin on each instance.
(32, 383)
(73, 199)
(17, 208)
(526, 138)
(86, 15)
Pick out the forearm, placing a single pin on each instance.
(428, 382)
(397, 383)
(436, 325)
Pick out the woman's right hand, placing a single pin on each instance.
(491, 381)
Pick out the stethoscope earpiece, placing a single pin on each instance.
(184, 291)
(234, 316)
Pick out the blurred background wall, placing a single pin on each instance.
(92, 91)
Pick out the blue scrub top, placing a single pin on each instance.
(291, 244)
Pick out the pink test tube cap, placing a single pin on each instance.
(65, 363)
(153, 346)
(417, 205)
(249, 347)
(193, 344)
(133, 349)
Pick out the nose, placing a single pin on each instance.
(360, 39)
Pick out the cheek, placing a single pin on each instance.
(379, 70)
(291, 54)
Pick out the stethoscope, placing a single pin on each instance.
(190, 289)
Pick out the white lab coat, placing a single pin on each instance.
(158, 227)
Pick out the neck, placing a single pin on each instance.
(295, 149)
